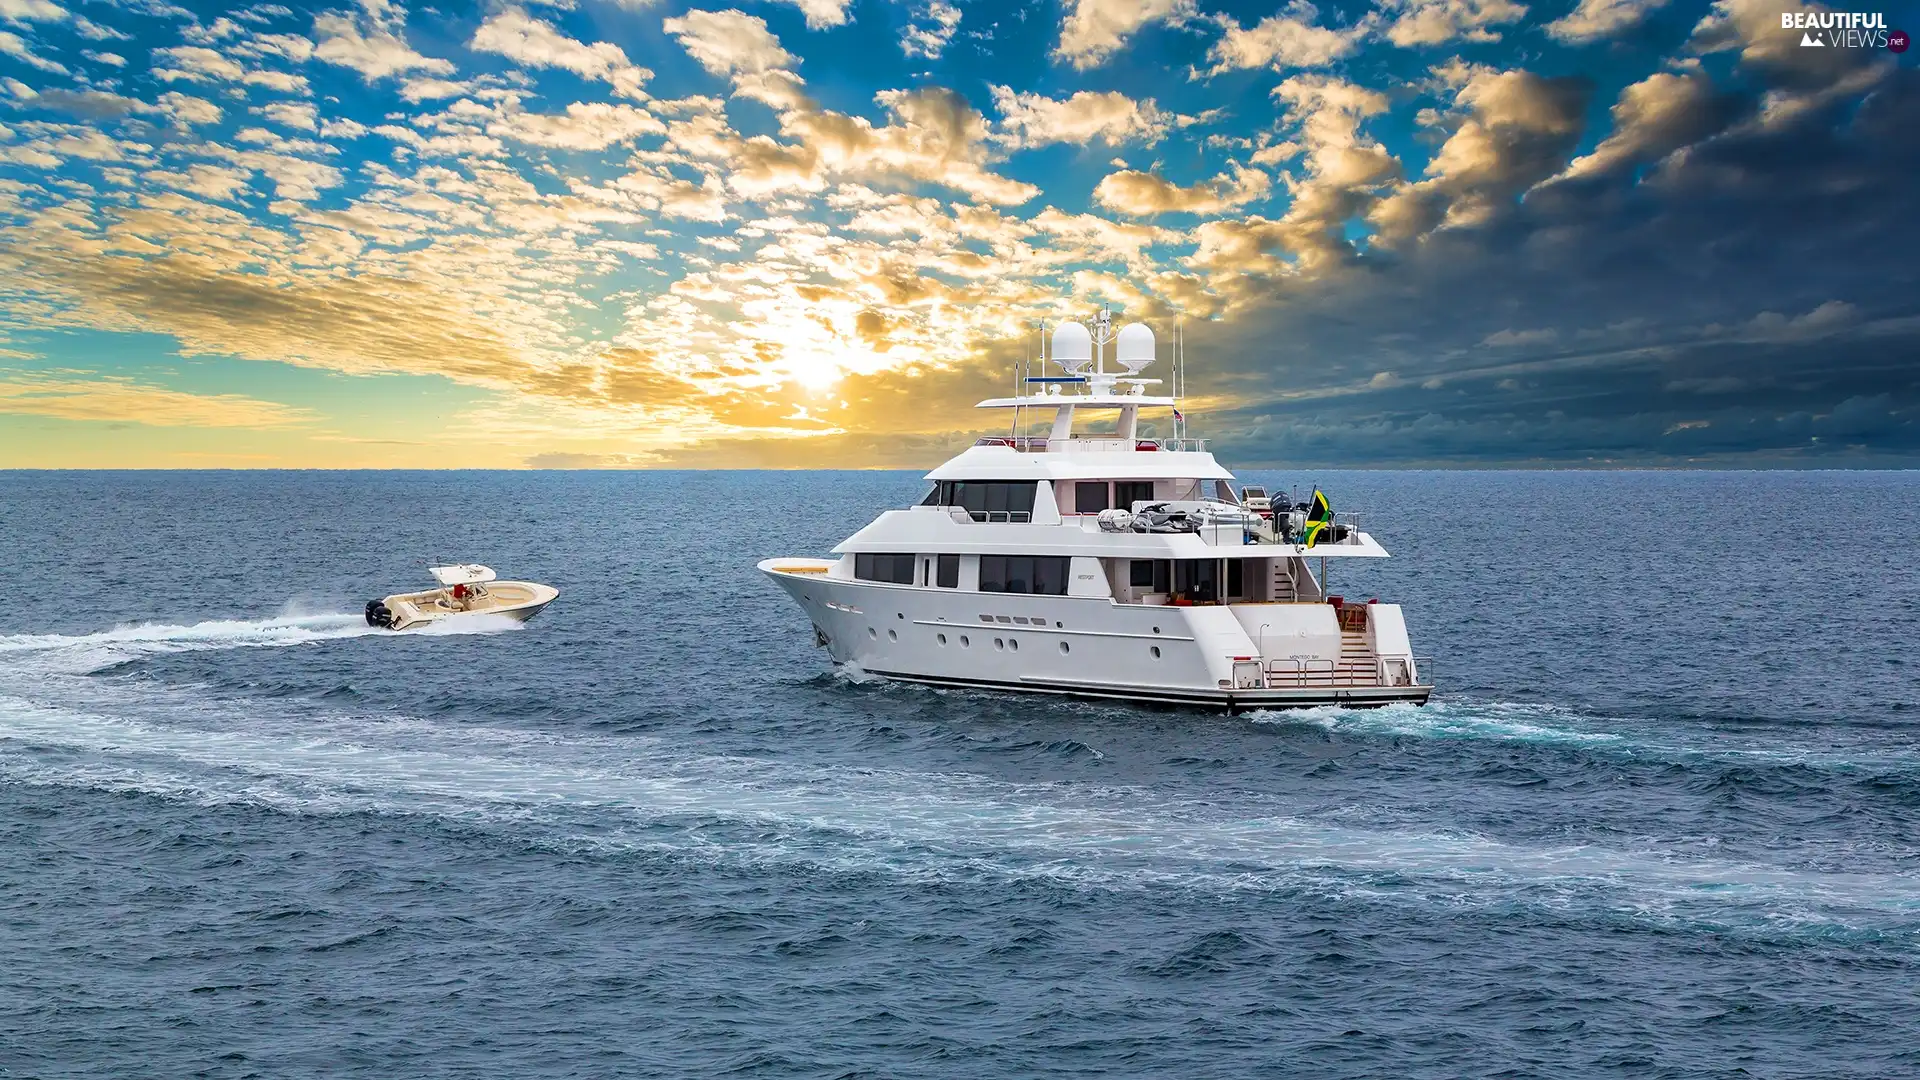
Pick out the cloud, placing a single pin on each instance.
(197, 63)
(1514, 129)
(1654, 117)
(931, 136)
(372, 42)
(108, 399)
(1094, 30)
(1721, 271)
(532, 43)
(586, 125)
(188, 110)
(1801, 82)
(729, 42)
(1143, 194)
(25, 11)
(1280, 41)
(1109, 117)
(1593, 20)
(933, 25)
(1436, 22)
(1506, 338)
(14, 45)
(207, 181)
(823, 13)
(298, 115)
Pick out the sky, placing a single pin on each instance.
(812, 233)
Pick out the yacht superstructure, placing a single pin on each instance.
(1109, 566)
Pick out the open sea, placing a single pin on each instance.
(1662, 820)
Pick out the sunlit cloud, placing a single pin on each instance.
(645, 233)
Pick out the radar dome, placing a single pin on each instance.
(1135, 349)
(1072, 347)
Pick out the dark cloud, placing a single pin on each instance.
(1734, 280)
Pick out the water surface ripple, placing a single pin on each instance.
(1661, 821)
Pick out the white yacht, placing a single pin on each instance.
(1107, 565)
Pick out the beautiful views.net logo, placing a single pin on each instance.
(1843, 30)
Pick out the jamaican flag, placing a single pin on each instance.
(1319, 517)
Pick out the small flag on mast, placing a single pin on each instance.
(1319, 516)
(1177, 416)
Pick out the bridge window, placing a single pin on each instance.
(1089, 496)
(949, 572)
(896, 569)
(1128, 492)
(1043, 574)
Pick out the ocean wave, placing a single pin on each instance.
(648, 794)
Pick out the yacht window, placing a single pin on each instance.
(1128, 492)
(897, 569)
(933, 497)
(1089, 496)
(1236, 578)
(1224, 490)
(1043, 574)
(990, 500)
(1154, 575)
(1197, 580)
(949, 572)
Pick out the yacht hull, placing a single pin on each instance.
(1089, 647)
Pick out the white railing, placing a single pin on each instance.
(1037, 444)
(1005, 517)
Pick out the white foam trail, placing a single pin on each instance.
(81, 653)
(1550, 725)
(1443, 720)
(77, 654)
(645, 794)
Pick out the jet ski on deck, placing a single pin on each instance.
(465, 589)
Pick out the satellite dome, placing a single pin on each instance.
(1135, 350)
(1072, 346)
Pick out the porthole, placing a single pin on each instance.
(1063, 649)
(872, 633)
(1156, 629)
(964, 643)
(1000, 644)
(1014, 644)
(899, 614)
(1060, 625)
(1155, 651)
(893, 635)
(942, 637)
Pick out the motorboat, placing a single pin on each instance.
(1108, 564)
(466, 589)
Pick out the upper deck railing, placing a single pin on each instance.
(1037, 444)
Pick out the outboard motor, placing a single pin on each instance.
(378, 614)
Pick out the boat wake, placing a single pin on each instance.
(80, 654)
(625, 794)
(1557, 727)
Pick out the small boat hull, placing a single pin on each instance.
(516, 600)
